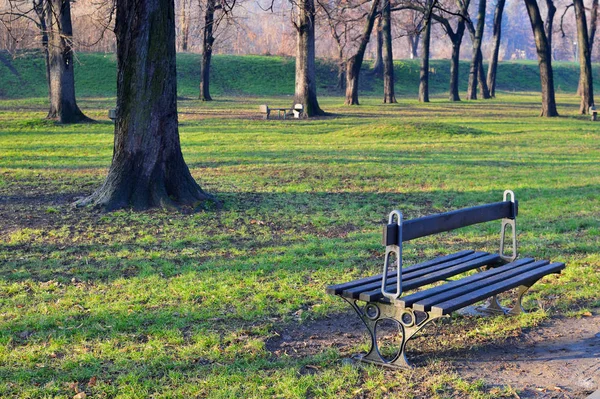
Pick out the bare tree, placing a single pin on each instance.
(496, 35)
(475, 72)
(147, 168)
(306, 85)
(388, 58)
(354, 64)
(585, 59)
(424, 71)
(542, 31)
(53, 18)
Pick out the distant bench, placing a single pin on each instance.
(297, 111)
(383, 294)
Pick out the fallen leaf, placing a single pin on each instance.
(587, 314)
(80, 395)
(92, 382)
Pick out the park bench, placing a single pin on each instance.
(431, 293)
(296, 110)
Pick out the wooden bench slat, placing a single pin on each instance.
(408, 274)
(411, 299)
(426, 304)
(338, 288)
(448, 307)
(433, 224)
(435, 276)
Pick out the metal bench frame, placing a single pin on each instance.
(390, 306)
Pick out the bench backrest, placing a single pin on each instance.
(438, 223)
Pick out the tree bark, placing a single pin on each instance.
(354, 64)
(424, 72)
(207, 48)
(544, 52)
(484, 91)
(41, 10)
(306, 84)
(475, 59)
(63, 105)
(496, 36)
(593, 25)
(585, 61)
(147, 168)
(378, 64)
(388, 58)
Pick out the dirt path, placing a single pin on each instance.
(558, 359)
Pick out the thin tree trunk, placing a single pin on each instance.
(585, 61)
(40, 7)
(354, 64)
(478, 35)
(63, 106)
(306, 85)
(413, 44)
(455, 61)
(424, 72)
(185, 26)
(207, 47)
(544, 52)
(484, 92)
(378, 64)
(549, 24)
(147, 169)
(496, 36)
(593, 25)
(388, 58)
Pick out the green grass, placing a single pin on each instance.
(167, 305)
(95, 76)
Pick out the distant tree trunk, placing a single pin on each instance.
(388, 58)
(63, 106)
(378, 64)
(354, 64)
(207, 47)
(185, 26)
(147, 168)
(424, 72)
(585, 61)
(306, 85)
(413, 45)
(497, 34)
(341, 75)
(544, 52)
(475, 59)
(593, 25)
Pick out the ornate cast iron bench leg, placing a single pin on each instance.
(408, 321)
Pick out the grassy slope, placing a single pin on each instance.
(163, 305)
(265, 76)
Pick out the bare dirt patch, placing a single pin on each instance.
(558, 359)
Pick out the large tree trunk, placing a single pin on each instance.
(544, 52)
(476, 57)
(378, 64)
(147, 169)
(496, 36)
(207, 47)
(424, 72)
(306, 75)
(388, 58)
(354, 64)
(585, 61)
(63, 106)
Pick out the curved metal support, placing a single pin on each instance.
(397, 251)
(407, 320)
(505, 223)
(518, 308)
